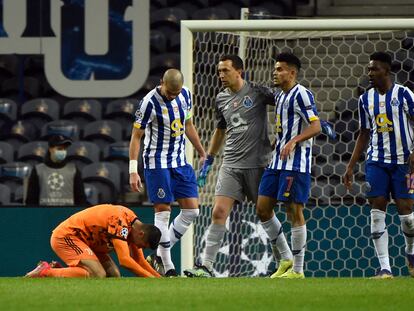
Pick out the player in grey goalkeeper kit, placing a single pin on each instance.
(241, 110)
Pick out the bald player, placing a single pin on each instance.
(241, 111)
(84, 241)
(164, 116)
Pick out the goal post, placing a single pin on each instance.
(334, 53)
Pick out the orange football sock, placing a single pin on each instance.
(69, 272)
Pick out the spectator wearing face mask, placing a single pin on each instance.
(56, 182)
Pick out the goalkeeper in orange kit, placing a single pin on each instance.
(84, 241)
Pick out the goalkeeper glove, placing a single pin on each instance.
(327, 129)
(204, 170)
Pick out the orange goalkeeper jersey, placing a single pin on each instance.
(97, 226)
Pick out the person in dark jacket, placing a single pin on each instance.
(56, 182)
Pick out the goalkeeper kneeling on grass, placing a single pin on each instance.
(84, 241)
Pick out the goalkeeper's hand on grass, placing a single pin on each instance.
(327, 129)
(204, 170)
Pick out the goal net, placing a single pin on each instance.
(334, 55)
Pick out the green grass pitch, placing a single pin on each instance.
(256, 294)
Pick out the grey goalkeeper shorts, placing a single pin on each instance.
(238, 183)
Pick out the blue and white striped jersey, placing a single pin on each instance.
(294, 112)
(164, 124)
(387, 117)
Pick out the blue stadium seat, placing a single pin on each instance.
(5, 195)
(103, 132)
(91, 193)
(8, 112)
(13, 174)
(33, 152)
(122, 111)
(40, 111)
(60, 127)
(82, 111)
(105, 176)
(160, 63)
(83, 153)
(158, 42)
(6, 152)
(21, 132)
(211, 13)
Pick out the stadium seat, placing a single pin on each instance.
(33, 152)
(13, 174)
(91, 193)
(21, 132)
(8, 113)
(211, 13)
(60, 127)
(122, 111)
(6, 152)
(158, 42)
(5, 195)
(103, 132)
(233, 10)
(160, 63)
(164, 3)
(83, 153)
(266, 11)
(31, 87)
(34, 65)
(174, 43)
(168, 19)
(18, 196)
(9, 66)
(82, 111)
(105, 176)
(118, 153)
(40, 111)
(152, 82)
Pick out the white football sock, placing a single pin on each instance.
(215, 237)
(161, 220)
(380, 237)
(274, 230)
(181, 223)
(298, 247)
(407, 225)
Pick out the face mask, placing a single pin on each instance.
(60, 155)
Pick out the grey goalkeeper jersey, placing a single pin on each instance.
(244, 116)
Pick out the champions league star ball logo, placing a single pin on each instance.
(55, 181)
(256, 253)
(124, 233)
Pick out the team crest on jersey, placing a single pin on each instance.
(235, 104)
(247, 102)
(124, 232)
(395, 102)
(382, 104)
(161, 193)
